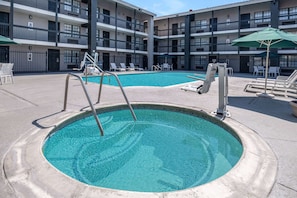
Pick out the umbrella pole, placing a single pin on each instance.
(266, 75)
(266, 70)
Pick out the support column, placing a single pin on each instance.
(188, 42)
(11, 16)
(150, 43)
(92, 25)
(274, 7)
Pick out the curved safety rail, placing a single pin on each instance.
(121, 87)
(88, 97)
(118, 81)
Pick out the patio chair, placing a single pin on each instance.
(273, 71)
(123, 65)
(258, 70)
(278, 78)
(282, 85)
(114, 67)
(165, 66)
(6, 72)
(135, 68)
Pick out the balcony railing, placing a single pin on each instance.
(81, 11)
(37, 34)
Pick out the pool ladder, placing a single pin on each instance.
(99, 95)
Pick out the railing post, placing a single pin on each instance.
(88, 98)
(66, 92)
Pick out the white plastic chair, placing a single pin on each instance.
(123, 65)
(6, 72)
(272, 71)
(135, 68)
(165, 66)
(258, 70)
(261, 70)
(113, 67)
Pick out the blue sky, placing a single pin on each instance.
(166, 7)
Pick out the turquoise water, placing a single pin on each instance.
(162, 151)
(159, 79)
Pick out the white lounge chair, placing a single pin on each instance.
(114, 67)
(6, 72)
(123, 65)
(132, 66)
(282, 85)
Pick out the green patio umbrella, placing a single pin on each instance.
(267, 38)
(5, 40)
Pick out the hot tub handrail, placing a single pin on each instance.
(88, 97)
(121, 87)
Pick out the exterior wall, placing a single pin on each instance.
(212, 31)
(38, 39)
(189, 48)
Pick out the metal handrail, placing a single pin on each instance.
(119, 83)
(156, 67)
(121, 87)
(93, 63)
(88, 97)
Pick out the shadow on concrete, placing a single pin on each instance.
(38, 123)
(272, 107)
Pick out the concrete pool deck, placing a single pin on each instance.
(34, 103)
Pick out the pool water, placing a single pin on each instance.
(162, 151)
(158, 79)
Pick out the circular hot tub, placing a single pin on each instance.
(166, 149)
(170, 151)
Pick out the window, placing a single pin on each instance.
(200, 62)
(292, 61)
(75, 7)
(137, 43)
(283, 14)
(202, 24)
(198, 42)
(182, 28)
(293, 13)
(262, 17)
(182, 43)
(259, 61)
(71, 56)
(156, 30)
(201, 42)
(98, 13)
(72, 6)
(138, 25)
(72, 31)
(288, 61)
(288, 13)
(98, 35)
(67, 5)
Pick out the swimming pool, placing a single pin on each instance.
(157, 79)
(166, 149)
